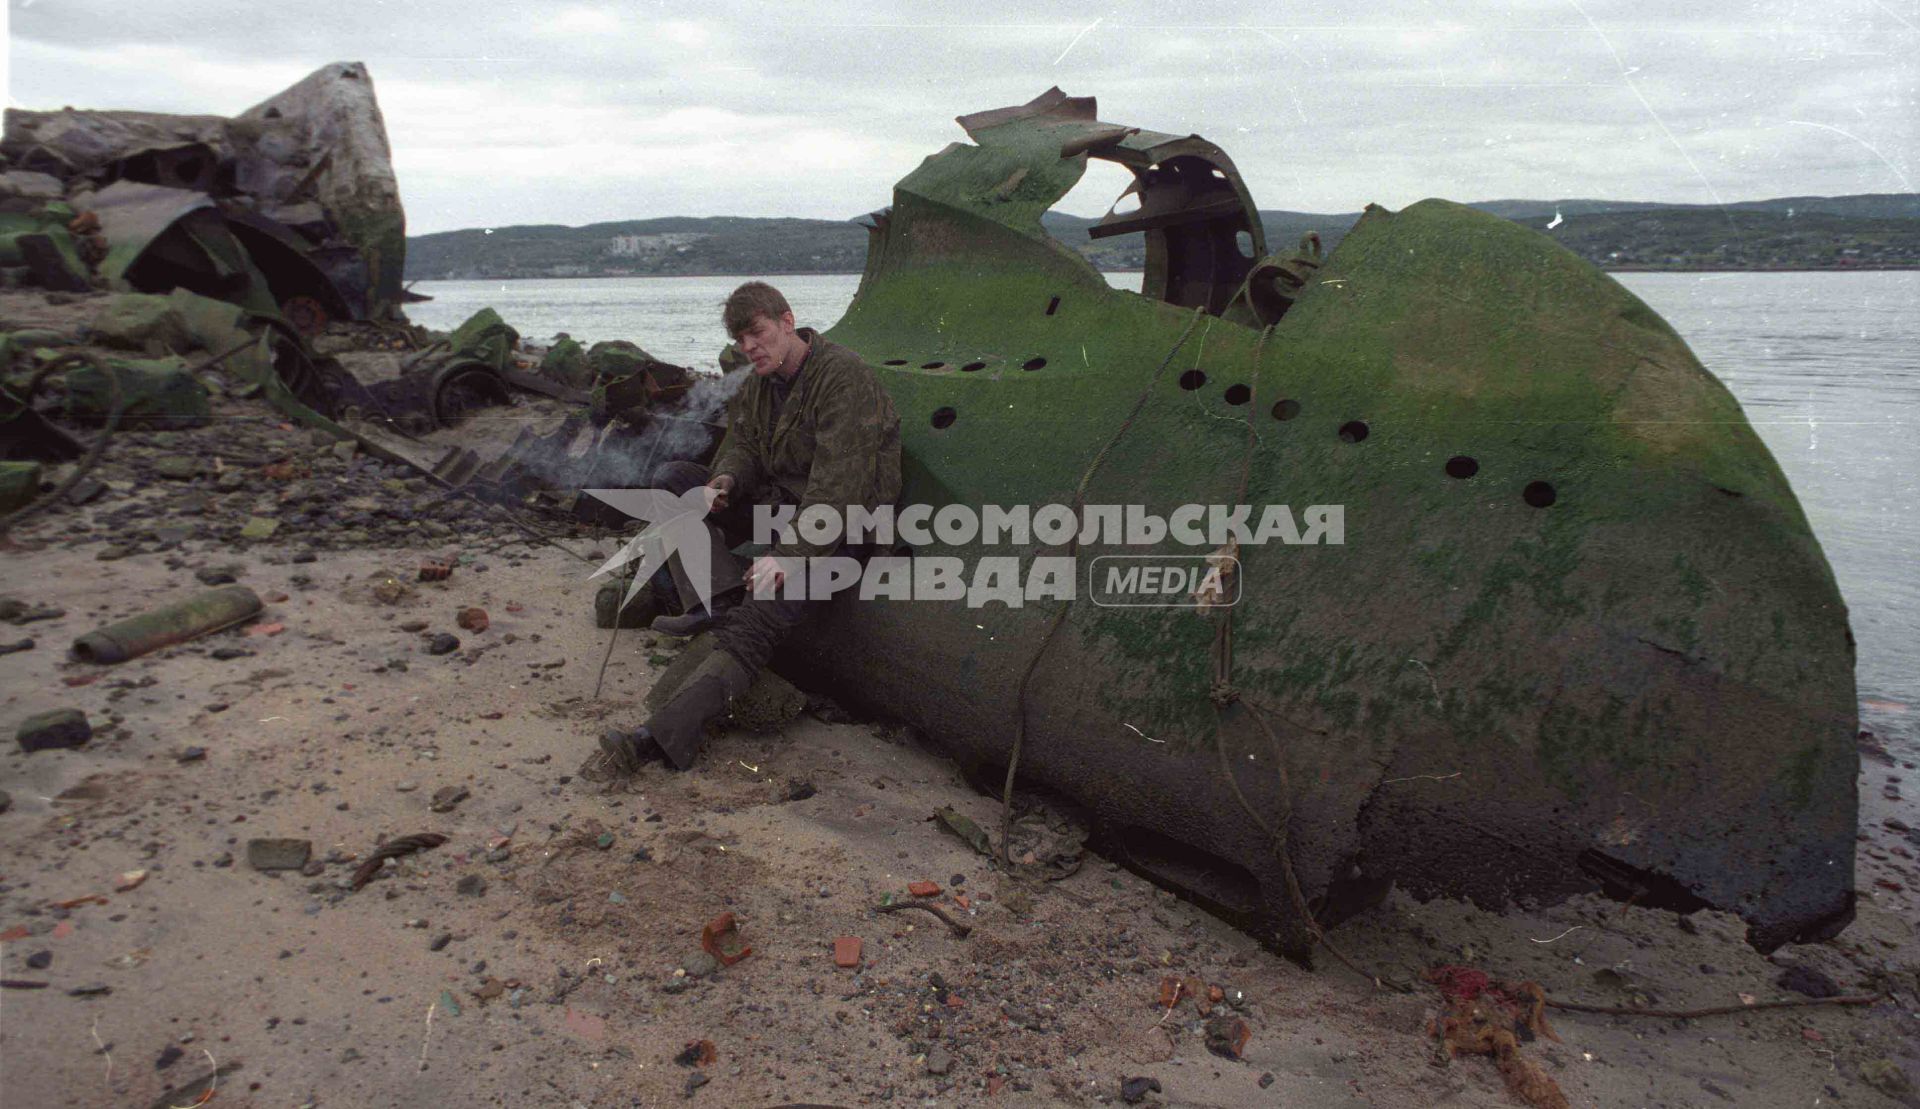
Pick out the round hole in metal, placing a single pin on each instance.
(944, 417)
(1286, 409)
(1461, 466)
(1539, 494)
(1353, 431)
(1192, 380)
(1239, 394)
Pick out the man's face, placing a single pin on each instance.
(770, 343)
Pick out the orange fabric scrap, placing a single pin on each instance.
(1485, 1017)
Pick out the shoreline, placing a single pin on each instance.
(855, 273)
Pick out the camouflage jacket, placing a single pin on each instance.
(836, 442)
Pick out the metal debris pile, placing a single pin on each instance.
(289, 209)
(182, 258)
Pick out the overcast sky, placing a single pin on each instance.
(578, 113)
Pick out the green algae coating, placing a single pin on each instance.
(1658, 656)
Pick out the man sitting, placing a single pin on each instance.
(812, 426)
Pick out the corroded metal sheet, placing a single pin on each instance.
(1579, 634)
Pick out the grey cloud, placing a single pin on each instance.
(554, 113)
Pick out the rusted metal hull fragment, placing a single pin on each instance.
(1578, 634)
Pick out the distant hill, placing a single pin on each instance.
(1870, 230)
(1864, 206)
(674, 245)
(1736, 238)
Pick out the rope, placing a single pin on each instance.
(1714, 1011)
(1277, 837)
(1060, 613)
(1224, 695)
(1222, 692)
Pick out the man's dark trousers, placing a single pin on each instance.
(745, 635)
(749, 630)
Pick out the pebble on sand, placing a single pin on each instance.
(271, 853)
(54, 730)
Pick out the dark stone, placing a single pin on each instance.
(440, 941)
(1808, 981)
(225, 653)
(191, 754)
(85, 490)
(1226, 1036)
(168, 1058)
(1266, 1080)
(444, 644)
(1135, 1090)
(40, 960)
(211, 576)
(472, 885)
(1886, 1076)
(176, 467)
(55, 730)
(447, 797)
(278, 854)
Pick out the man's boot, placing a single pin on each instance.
(697, 619)
(679, 725)
(628, 751)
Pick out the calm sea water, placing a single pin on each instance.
(1827, 366)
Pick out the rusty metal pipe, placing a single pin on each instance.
(175, 623)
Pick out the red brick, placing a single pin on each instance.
(924, 889)
(846, 951)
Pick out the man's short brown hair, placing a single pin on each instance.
(748, 303)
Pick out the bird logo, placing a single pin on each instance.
(676, 524)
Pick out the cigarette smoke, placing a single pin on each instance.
(682, 430)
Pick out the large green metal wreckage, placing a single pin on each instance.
(1579, 635)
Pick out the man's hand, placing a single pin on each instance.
(722, 486)
(766, 572)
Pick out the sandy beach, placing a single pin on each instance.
(549, 951)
